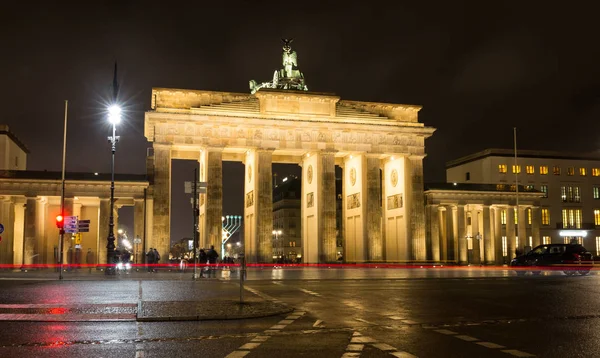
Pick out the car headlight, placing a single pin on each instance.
(120, 265)
(128, 265)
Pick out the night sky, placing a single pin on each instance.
(478, 69)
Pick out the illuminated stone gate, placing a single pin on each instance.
(379, 146)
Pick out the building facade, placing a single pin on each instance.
(480, 223)
(287, 246)
(13, 153)
(570, 206)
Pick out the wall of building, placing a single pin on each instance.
(12, 157)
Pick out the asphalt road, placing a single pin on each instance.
(358, 313)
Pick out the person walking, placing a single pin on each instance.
(89, 259)
(212, 255)
(156, 258)
(150, 260)
(202, 260)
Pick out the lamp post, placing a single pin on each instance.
(114, 117)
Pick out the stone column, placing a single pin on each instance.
(462, 236)
(536, 219)
(498, 235)
(214, 198)
(417, 209)
(30, 231)
(434, 232)
(510, 232)
(450, 239)
(488, 239)
(476, 232)
(103, 230)
(162, 200)
(7, 217)
(522, 228)
(372, 202)
(264, 202)
(138, 229)
(19, 230)
(442, 233)
(327, 202)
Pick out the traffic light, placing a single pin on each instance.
(60, 221)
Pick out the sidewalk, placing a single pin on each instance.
(41, 298)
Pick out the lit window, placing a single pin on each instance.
(529, 216)
(597, 245)
(500, 187)
(503, 217)
(571, 218)
(516, 169)
(502, 168)
(570, 194)
(516, 217)
(596, 217)
(530, 241)
(556, 170)
(529, 169)
(544, 169)
(546, 240)
(570, 171)
(545, 216)
(504, 246)
(544, 189)
(517, 241)
(596, 172)
(530, 187)
(582, 172)
(596, 192)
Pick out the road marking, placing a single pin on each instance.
(270, 331)
(318, 323)
(139, 351)
(260, 338)
(250, 346)
(278, 326)
(351, 355)
(466, 338)
(355, 347)
(365, 321)
(355, 334)
(397, 318)
(362, 339)
(490, 345)
(444, 331)
(286, 321)
(517, 353)
(237, 354)
(402, 355)
(384, 347)
(407, 321)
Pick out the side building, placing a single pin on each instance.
(570, 183)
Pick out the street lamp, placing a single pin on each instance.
(114, 117)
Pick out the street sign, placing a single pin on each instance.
(70, 224)
(78, 239)
(83, 225)
(1, 228)
(188, 187)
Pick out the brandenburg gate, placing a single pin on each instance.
(379, 146)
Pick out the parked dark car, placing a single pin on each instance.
(572, 259)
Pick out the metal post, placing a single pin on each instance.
(516, 189)
(242, 274)
(196, 214)
(110, 246)
(62, 196)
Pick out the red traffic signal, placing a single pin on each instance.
(60, 221)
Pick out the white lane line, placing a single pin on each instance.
(365, 321)
(351, 355)
(249, 346)
(362, 339)
(317, 323)
(355, 347)
(445, 331)
(278, 326)
(517, 353)
(397, 318)
(403, 355)
(407, 321)
(466, 338)
(355, 334)
(269, 331)
(293, 317)
(260, 338)
(237, 354)
(490, 345)
(384, 347)
(286, 321)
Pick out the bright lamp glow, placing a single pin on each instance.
(568, 233)
(114, 114)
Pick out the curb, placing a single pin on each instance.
(213, 318)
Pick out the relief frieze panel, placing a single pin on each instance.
(353, 201)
